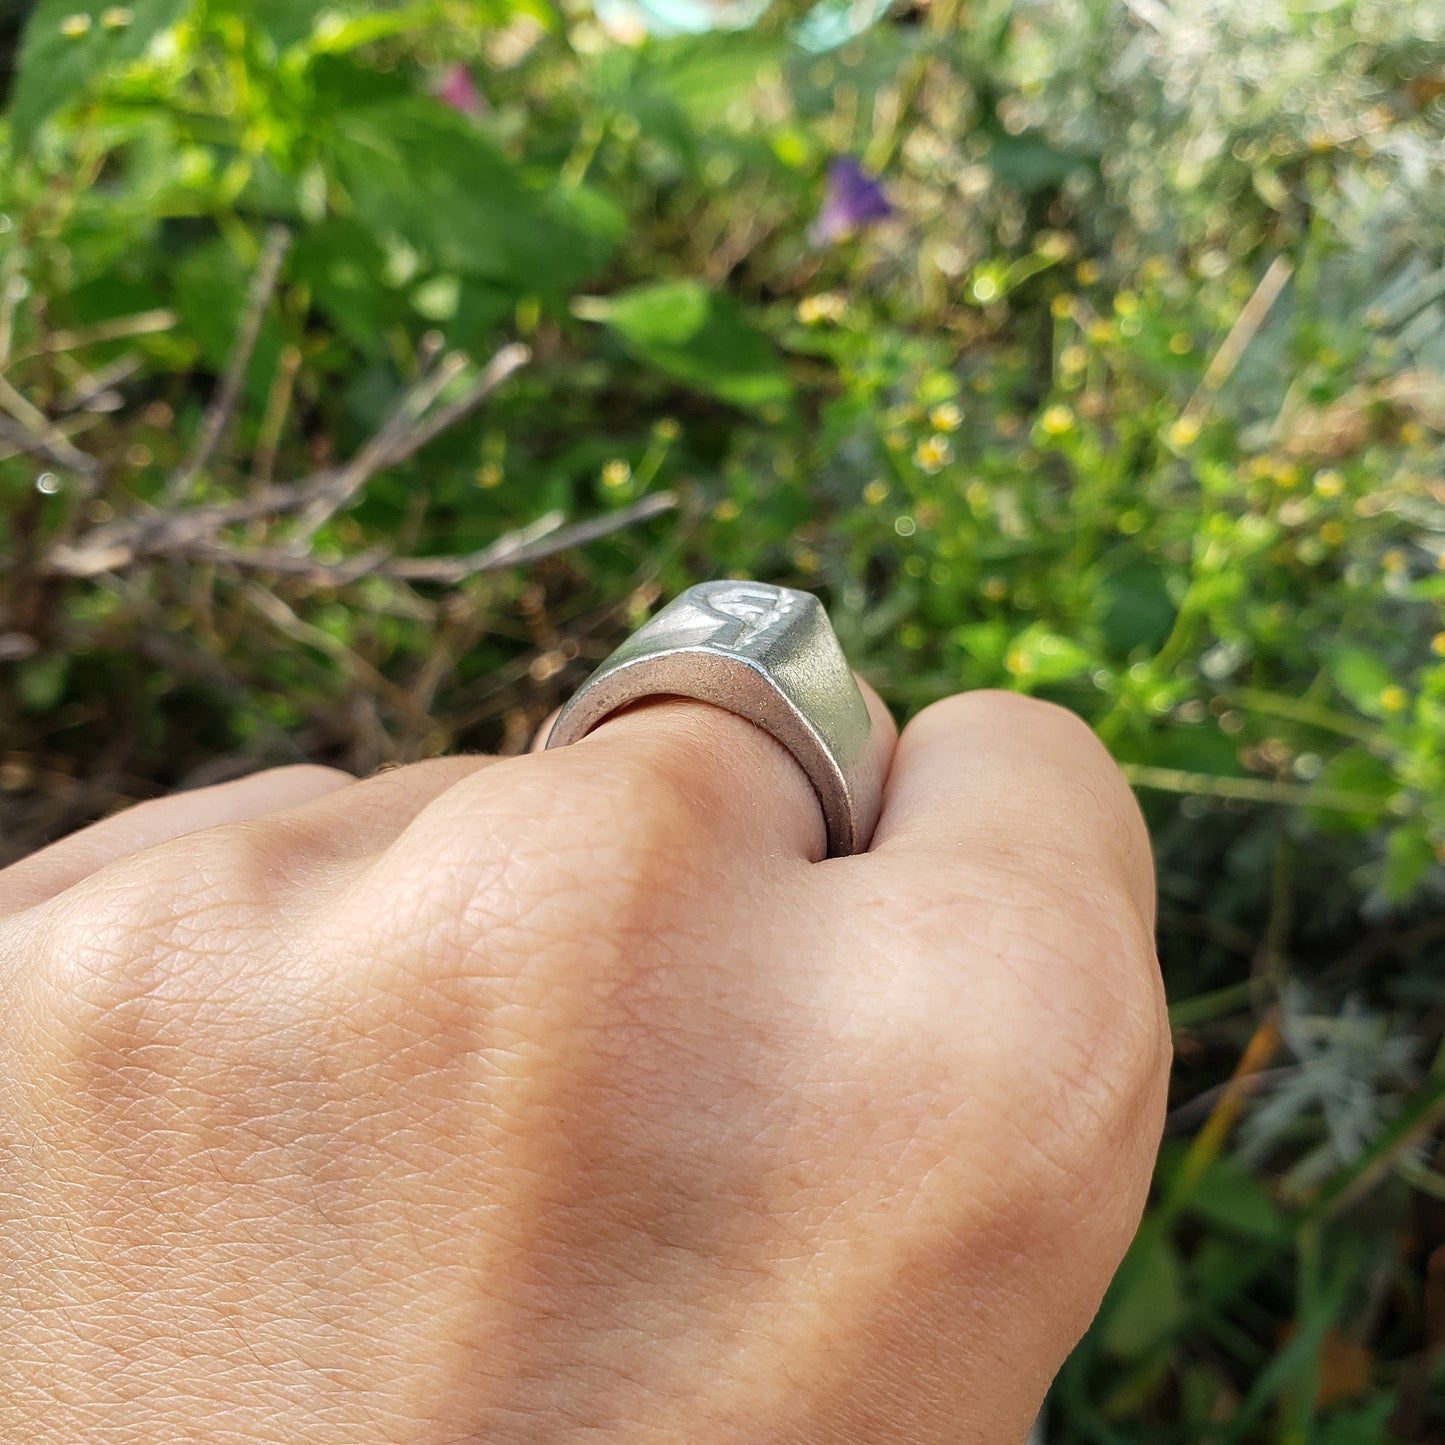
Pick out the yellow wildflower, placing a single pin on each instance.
(1057, 420)
(1185, 431)
(932, 454)
(825, 306)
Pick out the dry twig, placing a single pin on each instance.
(407, 430)
(228, 393)
(196, 533)
(26, 428)
(542, 538)
(1236, 342)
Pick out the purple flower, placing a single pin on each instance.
(853, 201)
(459, 90)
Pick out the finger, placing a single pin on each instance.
(749, 787)
(364, 819)
(1009, 891)
(67, 862)
(990, 775)
(539, 742)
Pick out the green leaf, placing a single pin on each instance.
(338, 33)
(415, 171)
(1409, 856)
(697, 336)
(1355, 772)
(342, 264)
(1227, 1196)
(69, 44)
(985, 642)
(40, 681)
(1367, 1425)
(1029, 162)
(283, 22)
(1039, 656)
(1135, 607)
(1201, 748)
(212, 284)
(706, 75)
(1363, 678)
(1147, 1298)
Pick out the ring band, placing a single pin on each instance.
(768, 654)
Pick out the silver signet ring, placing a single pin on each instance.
(768, 654)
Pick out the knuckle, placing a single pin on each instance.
(636, 835)
(138, 935)
(1058, 1023)
(549, 860)
(651, 808)
(1098, 1050)
(312, 773)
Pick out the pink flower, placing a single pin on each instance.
(459, 90)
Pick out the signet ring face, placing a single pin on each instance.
(768, 654)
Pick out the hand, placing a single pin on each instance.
(571, 1098)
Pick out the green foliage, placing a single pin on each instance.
(1136, 402)
(70, 45)
(699, 337)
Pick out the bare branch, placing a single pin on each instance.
(228, 393)
(407, 430)
(343, 483)
(273, 423)
(517, 548)
(286, 621)
(12, 293)
(31, 432)
(1193, 1112)
(508, 360)
(1236, 343)
(194, 531)
(543, 538)
(142, 323)
(89, 388)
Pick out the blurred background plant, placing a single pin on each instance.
(367, 370)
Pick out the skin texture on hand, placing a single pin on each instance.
(575, 1097)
